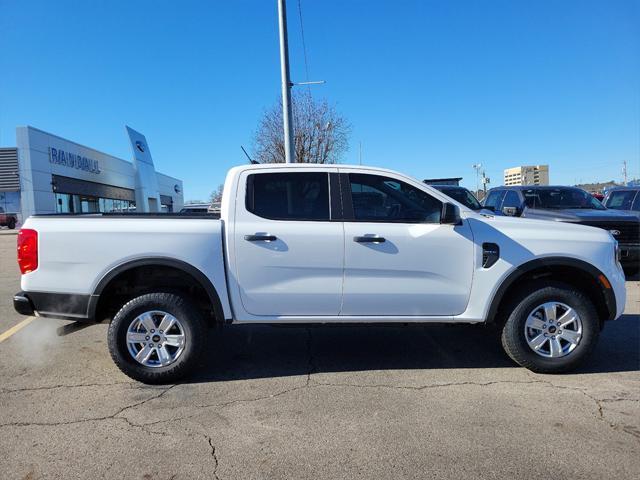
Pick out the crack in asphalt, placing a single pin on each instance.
(600, 413)
(55, 387)
(215, 457)
(628, 429)
(425, 387)
(220, 405)
(92, 419)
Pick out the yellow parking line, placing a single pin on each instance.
(16, 328)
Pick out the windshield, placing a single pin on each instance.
(561, 198)
(621, 199)
(463, 196)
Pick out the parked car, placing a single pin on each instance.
(8, 219)
(304, 244)
(623, 198)
(214, 209)
(196, 208)
(461, 195)
(571, 205)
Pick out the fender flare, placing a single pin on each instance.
(185, 267)
(518, 272)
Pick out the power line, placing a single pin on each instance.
(304, 43)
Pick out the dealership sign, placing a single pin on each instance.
(71, 160)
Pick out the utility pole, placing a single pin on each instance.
(624, 173)
(287, 115)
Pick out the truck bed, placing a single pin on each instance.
(83, 249)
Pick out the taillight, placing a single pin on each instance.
(27, 250)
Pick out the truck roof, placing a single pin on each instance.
(327, 166)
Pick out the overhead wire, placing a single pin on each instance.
(304, 44)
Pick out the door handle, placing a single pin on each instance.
(260, 238)
(369, 239)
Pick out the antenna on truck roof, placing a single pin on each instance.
(251, 161)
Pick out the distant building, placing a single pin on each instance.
(443, 181)
(527, 175)
(45, 173)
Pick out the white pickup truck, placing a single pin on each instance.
(320, 244)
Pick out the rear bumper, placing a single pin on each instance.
(55, 305)
(23, 305)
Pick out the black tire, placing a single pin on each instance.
(11, 224)
(525, 301)
(191, 321)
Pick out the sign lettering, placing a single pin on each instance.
(71, 160)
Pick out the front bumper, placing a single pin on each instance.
(629, 255)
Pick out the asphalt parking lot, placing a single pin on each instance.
(319, 402)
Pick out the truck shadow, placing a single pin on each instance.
(260, 351)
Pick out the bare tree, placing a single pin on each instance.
(216, 195)
(321, 134)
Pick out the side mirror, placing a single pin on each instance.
(511, 211)
(490, 207)
(450, 214)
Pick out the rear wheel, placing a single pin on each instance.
(11, 224)
(552, 328)
(157, 338)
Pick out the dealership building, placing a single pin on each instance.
(45, 173)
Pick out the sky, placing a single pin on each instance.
(429, 87)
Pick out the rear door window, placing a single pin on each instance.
(289, 195)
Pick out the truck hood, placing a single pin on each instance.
(558, 236)
(578, 215)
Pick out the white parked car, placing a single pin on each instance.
(196, 208)
(320, 244)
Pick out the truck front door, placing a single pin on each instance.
(399, 259)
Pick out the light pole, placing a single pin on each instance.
(477, 167)
(287, 115)
(485, 181)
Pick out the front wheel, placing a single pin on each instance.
(11, 224)
(157, 338)
(552, 328)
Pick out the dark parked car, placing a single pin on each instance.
(8, 219)
(573, 205)
(460, 194)
(623, 198)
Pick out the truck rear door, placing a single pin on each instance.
(288, 243)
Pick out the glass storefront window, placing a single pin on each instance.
(67, 203)
(64, 203)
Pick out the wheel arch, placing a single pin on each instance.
(120, 271)
(568, 270)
